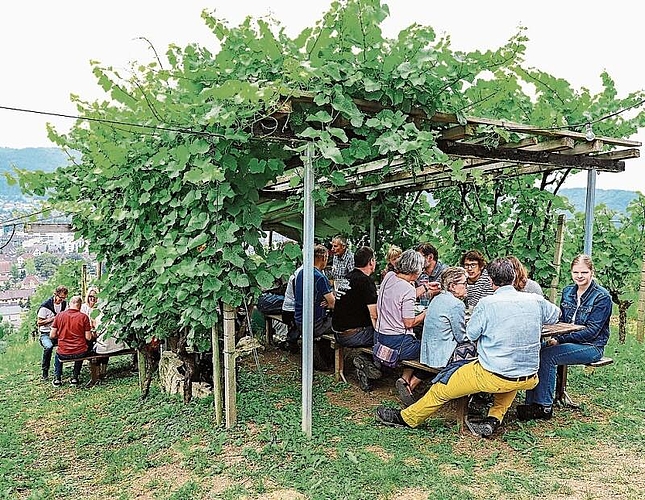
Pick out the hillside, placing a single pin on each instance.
(49, 159)
(615, 199)
(46, 159)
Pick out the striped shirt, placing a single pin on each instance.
(480, 288)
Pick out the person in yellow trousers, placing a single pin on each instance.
(507, 327)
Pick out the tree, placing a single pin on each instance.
(46, 264)
(171, 167)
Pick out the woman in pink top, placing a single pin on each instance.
(396, 317)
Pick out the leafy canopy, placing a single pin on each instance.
(167, 188)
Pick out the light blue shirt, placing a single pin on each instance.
(443, 327)
(508, 327)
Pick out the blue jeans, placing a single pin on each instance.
(58, 366)
(48, 347)
(550, 358)
(362, 338)
(410, 346)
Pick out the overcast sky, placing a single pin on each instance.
(47, 47)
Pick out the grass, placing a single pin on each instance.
(106, 442)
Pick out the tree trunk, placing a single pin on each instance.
(188, 360)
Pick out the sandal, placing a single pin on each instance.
(405, 395)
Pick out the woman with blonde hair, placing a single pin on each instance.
(586, 303)
(391, 257)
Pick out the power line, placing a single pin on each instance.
(180, 130)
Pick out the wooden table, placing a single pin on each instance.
(561, 396)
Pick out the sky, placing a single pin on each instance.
(47, 47)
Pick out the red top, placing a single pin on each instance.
(71, 325)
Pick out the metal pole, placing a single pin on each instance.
(308, 293)
(590, 204)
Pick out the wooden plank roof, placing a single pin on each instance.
(536, 150)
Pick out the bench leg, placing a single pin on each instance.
(95, 374)
(561, 397)
(461, 411)
(339, 363)
(268, 331)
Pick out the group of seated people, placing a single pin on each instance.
(74, 329)
(481, 328)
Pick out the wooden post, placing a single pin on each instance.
(640, 324)
(84, 281)
(217, 376)
(229, 366)
(143, 369)
(557, 258)
(99, 270)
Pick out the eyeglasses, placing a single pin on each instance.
(92, 297)
(471, 265)
(61, 297)
(459, 283)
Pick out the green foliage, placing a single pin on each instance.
(171, 168)
(618, 246)
(46, 264)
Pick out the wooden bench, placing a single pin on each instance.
(561, 397)
(461, 405)
(95, 367)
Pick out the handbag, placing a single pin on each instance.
(386, 355)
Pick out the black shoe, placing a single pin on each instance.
(45, 375)
(57, 382)
(533, 412)
(361, 374)
(479, 404)
(368, 366)
(391, 417)
(74, 381)
(484, 428)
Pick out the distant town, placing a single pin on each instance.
(30, 253)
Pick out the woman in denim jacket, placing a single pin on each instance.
(583, 303)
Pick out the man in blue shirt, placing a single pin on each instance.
(507, 327)
(324, 299)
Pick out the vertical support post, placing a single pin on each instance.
(142, 366)
(99, 270)
(229, 366)
(640, 323)
(270, 242)
(308, 293)
(590, 205)
(557, 257)
(217, 376)
(373, 227)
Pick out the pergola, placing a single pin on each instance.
(470, 139)
(536, 150)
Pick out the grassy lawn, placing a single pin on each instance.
(105, 442)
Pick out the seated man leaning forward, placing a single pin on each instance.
(507, 327)
(73, 330)
(354, 314)
(323, 294)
